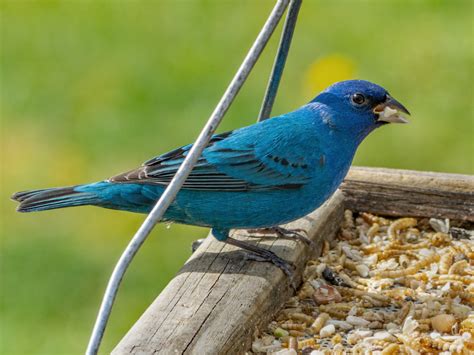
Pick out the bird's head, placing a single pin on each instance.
(360, 106)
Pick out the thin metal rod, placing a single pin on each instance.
(184, 170)
(280, 60)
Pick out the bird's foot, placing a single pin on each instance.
(282, 264)
(265, 255)
(196, 244)
(285, 233)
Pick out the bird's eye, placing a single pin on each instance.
(358, 99)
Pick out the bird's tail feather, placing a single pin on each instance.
(49, 199)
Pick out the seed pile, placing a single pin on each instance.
(403, 286)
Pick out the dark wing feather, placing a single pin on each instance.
(208, 176)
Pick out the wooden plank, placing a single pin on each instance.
(410, 193)
(218, 299)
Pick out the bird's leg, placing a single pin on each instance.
(261, 254)
(284, 233)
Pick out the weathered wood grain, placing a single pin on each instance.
(219, 299)
(410, 193)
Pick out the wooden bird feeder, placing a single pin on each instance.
(218, 300)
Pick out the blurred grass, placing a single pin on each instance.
(89, 89)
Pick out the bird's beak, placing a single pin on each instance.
(390, 111)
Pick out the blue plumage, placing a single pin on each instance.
(258, 176)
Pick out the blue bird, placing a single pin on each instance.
(258, 176)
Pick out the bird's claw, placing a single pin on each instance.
(286, 234)
(257, 253)
(285, 266)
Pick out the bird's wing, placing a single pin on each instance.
(241, 160)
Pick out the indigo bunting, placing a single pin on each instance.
(258, 176)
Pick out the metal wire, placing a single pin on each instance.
(184, 170)
(280, 60)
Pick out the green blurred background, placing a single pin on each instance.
(93, 88)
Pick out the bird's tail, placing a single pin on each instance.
(49, 199)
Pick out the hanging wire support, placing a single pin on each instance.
(184, 170)
(280, 60)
